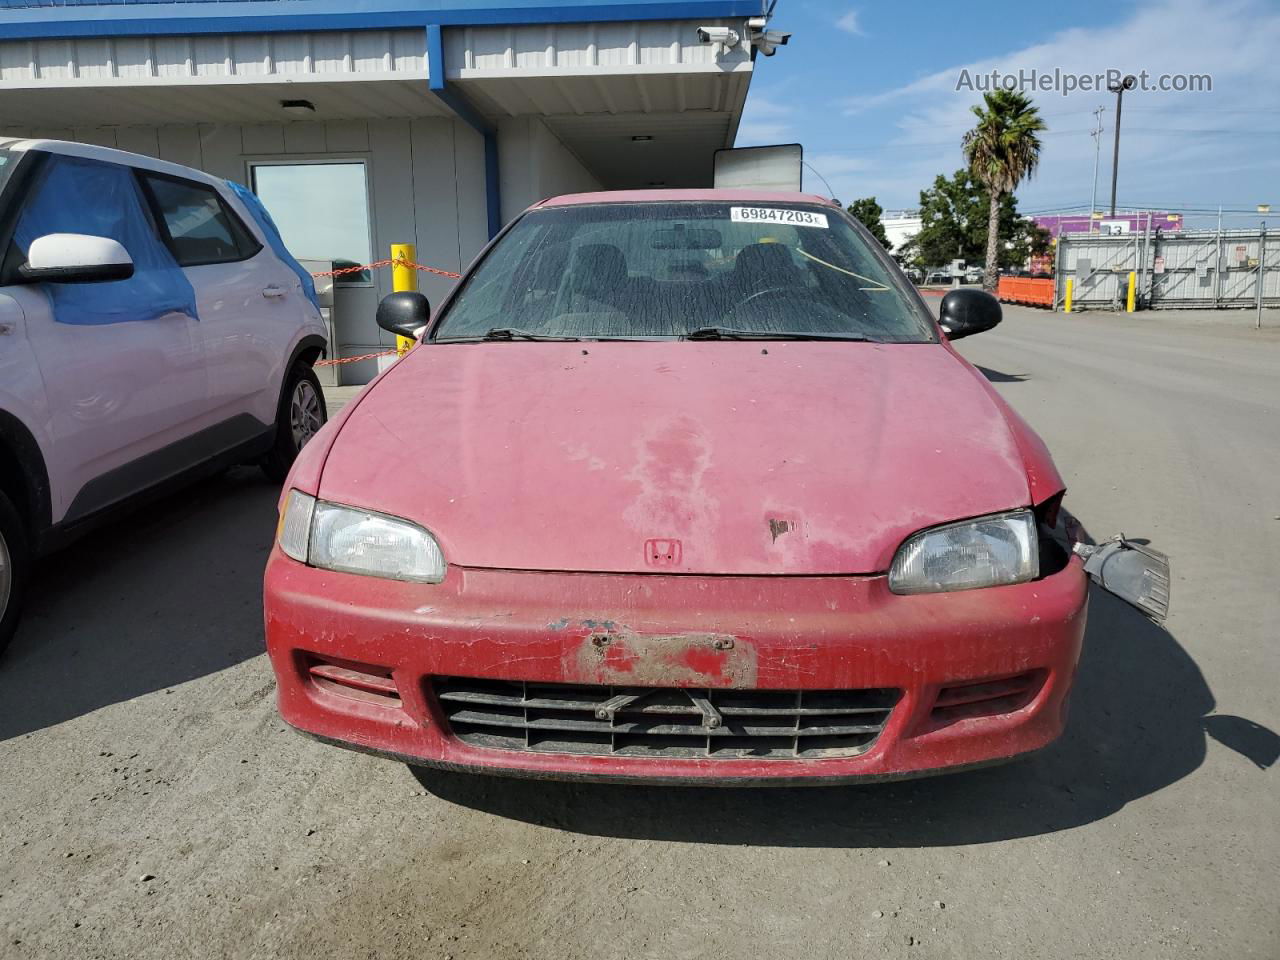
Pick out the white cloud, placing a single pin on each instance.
(765, 121)
(751, 134)
(849, 23)
(763, 107)
(837, 164)
(1172, 143)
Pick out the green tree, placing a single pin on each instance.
(1002, 150)
(1030, 240)
(954, 224)
(868, 212)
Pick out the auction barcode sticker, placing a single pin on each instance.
(796, 218)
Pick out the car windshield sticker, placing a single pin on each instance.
(796, 218)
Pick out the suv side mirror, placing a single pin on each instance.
(76, 258)
(404, 313)
(966, 312)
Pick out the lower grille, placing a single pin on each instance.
(985, 698)
(662, 721)
(355, 681)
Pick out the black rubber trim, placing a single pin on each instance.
(640, 780)
(97, 273)
(62, 533)
(15, 437)
(312, 341)
(22, 183)
(168, 462)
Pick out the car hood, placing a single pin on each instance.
(722, 457)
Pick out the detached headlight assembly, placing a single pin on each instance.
(347, 539)
(986, 552)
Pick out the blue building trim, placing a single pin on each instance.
(23, 19)
(464, 110)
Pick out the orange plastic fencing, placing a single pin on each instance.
(386, 263)
(1032, 291)
(373, 266)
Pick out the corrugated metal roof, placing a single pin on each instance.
(248, 57)
(27, 4)
(420, 12)
(664, 46)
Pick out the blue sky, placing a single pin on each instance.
(869, 89)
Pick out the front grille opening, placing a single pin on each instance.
(662, 721)
(354, 681)
(985, 698)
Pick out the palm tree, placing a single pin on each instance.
(1002, 150)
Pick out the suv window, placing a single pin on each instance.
(201, 228)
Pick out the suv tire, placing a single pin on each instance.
(15, 568)
(302, 413)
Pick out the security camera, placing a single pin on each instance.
(722, 35)
(769, 41)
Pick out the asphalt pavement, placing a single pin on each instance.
(152, 804)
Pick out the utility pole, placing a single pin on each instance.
(1262, 269)
(1096, 133)
(1220, 262)
(1118, 89)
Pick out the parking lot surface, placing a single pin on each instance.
(152, 804)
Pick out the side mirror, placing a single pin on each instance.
(966, 312)
(76, 258)
(404, 313)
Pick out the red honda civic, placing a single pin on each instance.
(679, 486)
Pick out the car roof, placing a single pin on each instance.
(107, 154)
(675, 196)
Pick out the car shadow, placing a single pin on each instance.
(1139, 716)
(998, 376)
(166, 594)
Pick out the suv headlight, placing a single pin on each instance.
(334, 537)
(985, 552)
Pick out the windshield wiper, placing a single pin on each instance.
(507, 333)
(513, 333)
(729, 333)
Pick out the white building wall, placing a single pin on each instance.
(534, 165)
(899, 230)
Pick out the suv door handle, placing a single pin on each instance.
(273, 292)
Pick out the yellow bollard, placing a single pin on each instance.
(1066, 300)
(1133, 283)
(403, 278)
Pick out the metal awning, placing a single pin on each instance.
(638, 102)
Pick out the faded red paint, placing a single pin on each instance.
(622, 513)
(531, 456)
(623, 657)
(796, 632)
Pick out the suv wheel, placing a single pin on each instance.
(15, 565)
(302, 413)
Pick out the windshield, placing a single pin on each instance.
(671, 270)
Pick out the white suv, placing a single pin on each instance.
(152, 328)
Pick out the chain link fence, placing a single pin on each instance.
(1183, 271)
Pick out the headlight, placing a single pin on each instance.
(962, 556)
(334, 537)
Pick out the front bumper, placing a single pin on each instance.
(787, 633)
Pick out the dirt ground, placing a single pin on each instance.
(153, 805)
